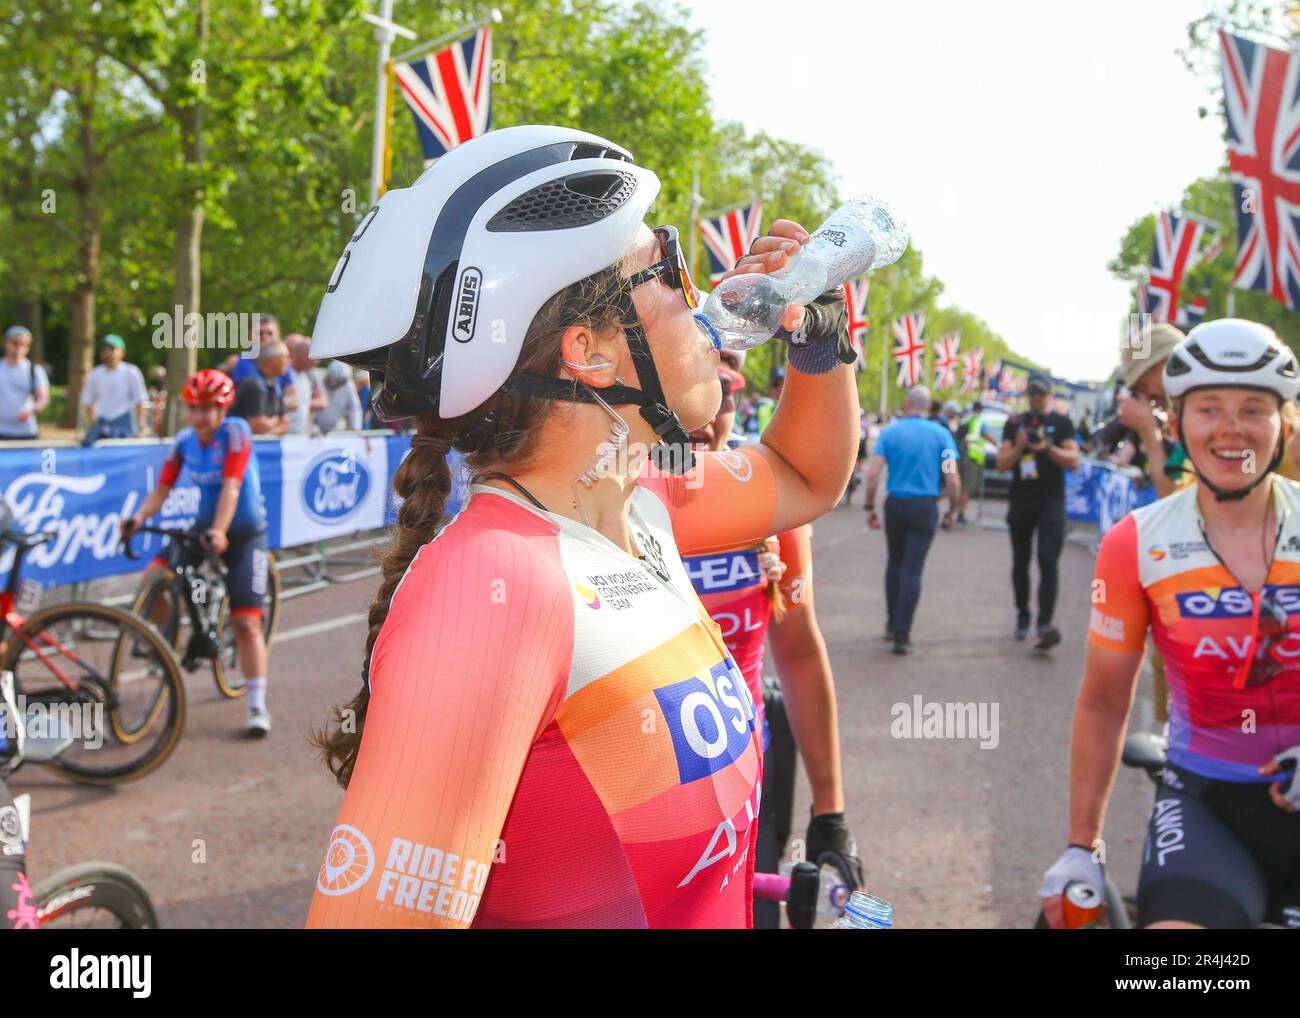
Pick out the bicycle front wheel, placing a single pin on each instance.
(90, 672)
(94, 895)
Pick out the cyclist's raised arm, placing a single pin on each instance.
(811, 444)
(746, 494)
(1116, 642)
(468, 671)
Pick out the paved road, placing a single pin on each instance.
(230, 833)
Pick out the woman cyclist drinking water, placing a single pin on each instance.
(1214, 572)
(551, 731)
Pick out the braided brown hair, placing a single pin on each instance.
(506, 442)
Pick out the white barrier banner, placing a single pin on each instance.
(331, 486)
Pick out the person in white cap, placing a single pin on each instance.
(24, 386)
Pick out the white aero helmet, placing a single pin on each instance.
(1232, 352)
(436, 289)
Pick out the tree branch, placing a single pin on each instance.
(127, 135)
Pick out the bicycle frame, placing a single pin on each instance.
(12, 621)
(204, 639)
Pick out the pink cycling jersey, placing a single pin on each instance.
(556, 734)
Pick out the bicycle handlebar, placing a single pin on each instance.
(183, 536)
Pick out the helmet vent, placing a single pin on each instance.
(577, 200)
(1259, 364)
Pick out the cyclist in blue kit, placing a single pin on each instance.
(216, 453)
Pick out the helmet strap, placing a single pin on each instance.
(672, 453)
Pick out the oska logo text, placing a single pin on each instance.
(334, 486)
(711, 720)
(1232, 602)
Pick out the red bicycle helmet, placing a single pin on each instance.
(209, 386)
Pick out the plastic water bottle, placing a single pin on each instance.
(862, 234)
(865, 912)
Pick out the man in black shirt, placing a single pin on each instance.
(258, 398)
(1037, 447)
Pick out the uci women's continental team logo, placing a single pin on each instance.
(349, 861)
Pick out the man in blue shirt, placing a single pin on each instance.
(922, 459)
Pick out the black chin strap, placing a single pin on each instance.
(1237, 494)
(672, 453)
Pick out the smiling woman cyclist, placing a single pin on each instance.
(1214, 572)
(551, 731)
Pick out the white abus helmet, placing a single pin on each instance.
(1232, 352)
(441, 280)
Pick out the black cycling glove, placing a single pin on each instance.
(822, 342)
(829, 832)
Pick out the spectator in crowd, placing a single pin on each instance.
(307, 386)
(24, 387)
(765, 406)
(157, 387)
(343, 407)
(1038, 446)
(268, 333)
(1141, 423)
(362, 382)
(972, 434)
(1083, 430)
(1142, 409)
(258, 398)
(114, 394)
(921, 456)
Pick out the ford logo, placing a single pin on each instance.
(334, 486)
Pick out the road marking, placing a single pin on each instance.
(318, 627)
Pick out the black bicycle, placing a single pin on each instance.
(100, 685)
(189, 603)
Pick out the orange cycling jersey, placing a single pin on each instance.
(1232, 656)
(556, 734)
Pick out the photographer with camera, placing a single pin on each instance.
(1037, 447)
(1141, 410)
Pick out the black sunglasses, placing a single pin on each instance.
(671, 269)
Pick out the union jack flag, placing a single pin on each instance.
(909, 348)
(855, 300)
(729, 236)
(946, 361)
(972, 370)
(450, 93)
(1262, 97)
(1176, 251)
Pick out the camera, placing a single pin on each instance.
(1113, 432)
(1033, 436)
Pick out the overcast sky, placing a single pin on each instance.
(1017, 139)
